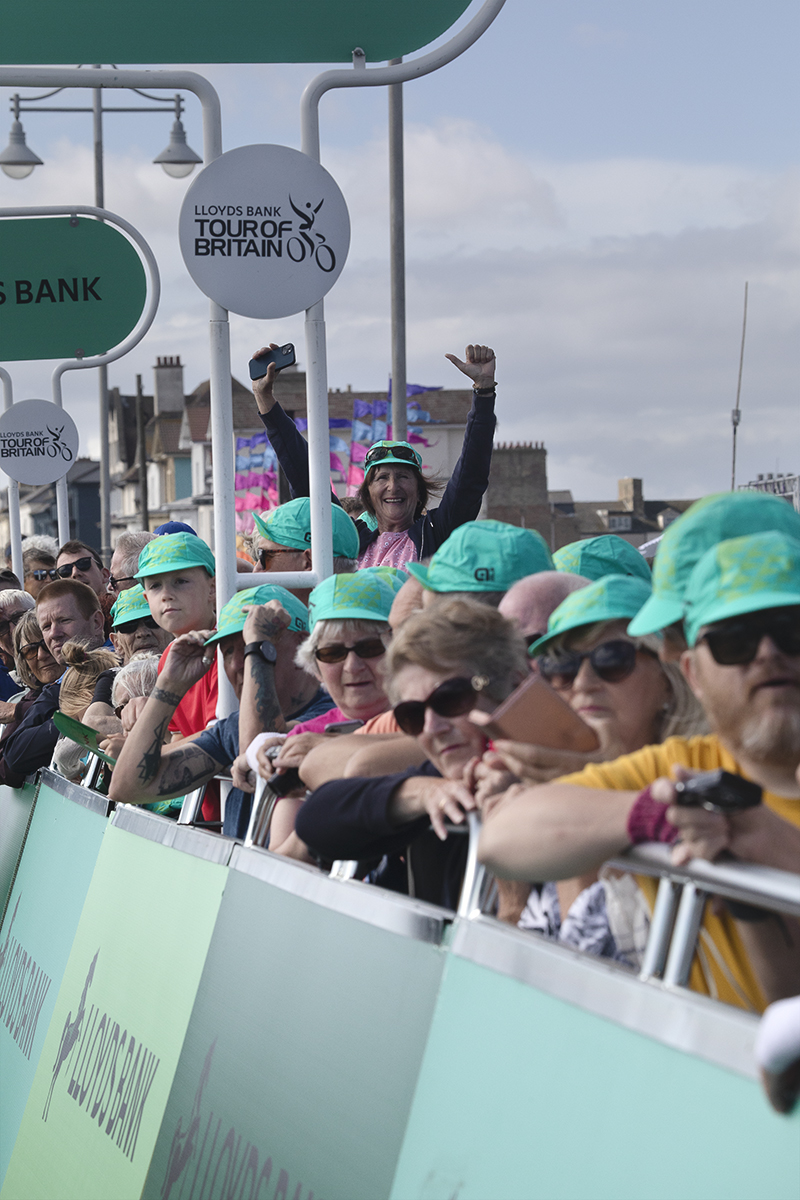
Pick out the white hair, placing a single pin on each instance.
(306, 652)
(131, 543)
(42, 543)
(138, 677)
(10, 597)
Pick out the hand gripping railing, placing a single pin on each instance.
(682, 894)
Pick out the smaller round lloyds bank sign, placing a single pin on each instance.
(70, 287)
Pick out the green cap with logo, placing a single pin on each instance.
(599, 556)
(366, 595)
(484, 556)
(130, 605)
(381, 454)
(233, 616)
(742, 575)
(711, 520)
(612, 598)
(290, 525)
(175, 552)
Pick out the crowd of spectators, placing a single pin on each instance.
(367, 703)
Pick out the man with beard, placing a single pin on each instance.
(742, 625)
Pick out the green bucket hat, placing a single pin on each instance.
(711, 520)
(742, 575)
(173, 552)
(290, 525)
(484, 556)
(233, 616)
(363, 596)
(130, 605)
(599, 556)
(402, 453)
(612, 598)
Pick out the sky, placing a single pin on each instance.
(587, 190)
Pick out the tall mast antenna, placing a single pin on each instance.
(736, 414)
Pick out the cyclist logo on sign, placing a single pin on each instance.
(57, 447)
(304, 244)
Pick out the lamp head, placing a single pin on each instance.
(17, 160)
(178, 160)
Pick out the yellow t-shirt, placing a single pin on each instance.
(633, 773)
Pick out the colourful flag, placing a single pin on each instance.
(357, 453)
(355, 477)
(362, 408)
(336, 463)
(362, 432)
(338, 444)
(380, 431)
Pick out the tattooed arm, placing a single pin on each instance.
(147, 769)
(260, 710)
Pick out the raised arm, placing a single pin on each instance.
(147, 769)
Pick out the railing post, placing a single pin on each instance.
(474, 873)
(684, 938)
(655, 954)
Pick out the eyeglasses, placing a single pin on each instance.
(735, 642)
(119, 708)
(453, 698)
(612, 661)
(338, 652)
(132, 626)
(10, 622)
(80, 564)
(114, 583)
(265, 557)
(31, 651)
(44, 573)
(405, 452)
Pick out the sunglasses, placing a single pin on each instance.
(44, 573)
(31, 650)
(114, 583)
(132, 626)
(265, 557)
(80, 564)
(611, 661)
(118, 710)
(405, 452)
(735, 642)
(338, 652)
(453, 698)
(10, 622)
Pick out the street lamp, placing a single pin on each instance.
(178, 160)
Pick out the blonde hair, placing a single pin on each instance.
(462, 637)
(682, 715)
(84, 668)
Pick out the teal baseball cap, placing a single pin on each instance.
(290, 525)
(598, 556)
(484, 556)
(380, 454)
(233, 615)
(130, 605)
(173, 552)
(742, 575)
(612, 598)
(365, 595)
(713, 519)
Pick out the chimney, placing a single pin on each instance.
(630, 496)
(168, 394)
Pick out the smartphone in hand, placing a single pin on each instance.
(282, 357)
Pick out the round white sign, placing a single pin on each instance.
(264, 231)
(38, 442)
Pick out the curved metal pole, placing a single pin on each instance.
(14, 528)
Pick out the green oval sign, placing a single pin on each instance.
(70, 287)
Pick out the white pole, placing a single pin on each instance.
(14, 528)
(318, 441)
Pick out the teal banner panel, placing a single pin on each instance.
(301, 1058)
(109, 1056)
(525, 1096)
(36, 937)
(15, 812)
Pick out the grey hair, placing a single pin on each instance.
(131, 543)
(42, 544)
(683, 715)
(138, 677)
(32, 554)
(306, 651)
(344, 566)
(10, 596)
(26, 630)
(491, 598)
(341, 566)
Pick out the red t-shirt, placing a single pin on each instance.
(196, 709)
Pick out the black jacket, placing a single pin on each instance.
(31, 744)
(462, 497)
(347, 819)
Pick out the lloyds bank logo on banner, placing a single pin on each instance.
(264, 231)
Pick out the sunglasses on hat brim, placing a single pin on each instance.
(378, 453)
(735, 642)
(453, 698)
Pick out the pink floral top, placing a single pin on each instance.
(389, 550)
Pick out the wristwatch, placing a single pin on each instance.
(264, 650)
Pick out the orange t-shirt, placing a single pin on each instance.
(383, 723)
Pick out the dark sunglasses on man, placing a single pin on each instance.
(114, 583)
(735, 641)
(380, 452)
(611, 661)
(338, 652)
(453, 698)
(10, 622)
(45, 573)
(132, 626)
(80, 564)
(265, 557)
